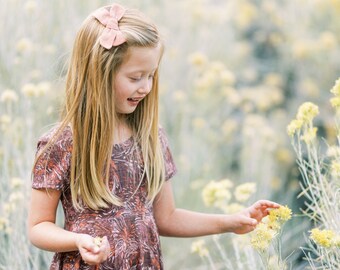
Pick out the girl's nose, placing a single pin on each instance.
(145, 88)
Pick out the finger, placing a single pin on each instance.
(247, 221)
(266, 204)
(89, 246)
(105, 248)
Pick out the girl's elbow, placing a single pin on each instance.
(163, 228)
(31, 234)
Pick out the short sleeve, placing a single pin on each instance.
(170, 166)
(53, 166)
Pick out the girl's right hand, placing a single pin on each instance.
(90, 251)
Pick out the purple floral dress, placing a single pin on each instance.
(130, 228)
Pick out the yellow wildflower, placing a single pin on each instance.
(24, 45)
(262, 237)
(97, 241)
(336, 88)
(179, 96)
(243, 192)
(327, 40)
(15, 197)
(16, 182)
(335, 102)
(227, 77)
(216, 193)
(43, 88)
(307, 111)
(284, 156)
(217, 67)
(309, 88)
(273, 79)
(309, 135)
(248, 13)
(322, 238)
(294, 126)
(272, 222)
(29, 90)
(335, 168)
(333, 151)
(9, 95)
(197, 59)
(199, 248)
(281, 214)
(226, 183)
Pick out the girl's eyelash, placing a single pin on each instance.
(137, 79)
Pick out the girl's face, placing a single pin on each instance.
(134, 78)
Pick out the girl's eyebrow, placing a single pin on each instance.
(141, 71)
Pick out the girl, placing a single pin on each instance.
(109, 163)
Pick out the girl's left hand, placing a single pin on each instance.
(248, 218)
(91, 252)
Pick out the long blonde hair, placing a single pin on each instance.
(90, 110)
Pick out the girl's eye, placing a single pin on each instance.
(135, 79)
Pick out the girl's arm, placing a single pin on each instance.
(183, 223)
(45, 234)
(42, 230)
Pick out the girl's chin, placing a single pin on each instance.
(126, 111)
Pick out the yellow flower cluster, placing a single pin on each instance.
(309, 135)
(336, 88)
(97, 241)
(9, 96)
(199, 248)
(217, 193)
(335, 168)
(304, 117)
(262, 237)
(281, 214)
(335, 101)
(269, 228)
(36, 90)
(307, 111)
(243, 192)
(325, 238)
(294, 126)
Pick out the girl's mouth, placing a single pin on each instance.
(134, 99)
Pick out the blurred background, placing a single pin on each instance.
(232, 77)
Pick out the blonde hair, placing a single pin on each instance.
(90, 110)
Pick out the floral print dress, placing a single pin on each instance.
(130, 228)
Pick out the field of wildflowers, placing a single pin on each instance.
(234, 75)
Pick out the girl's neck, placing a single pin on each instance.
(122, 131)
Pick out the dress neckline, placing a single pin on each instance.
(124, 143)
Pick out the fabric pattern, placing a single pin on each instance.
(130, 228)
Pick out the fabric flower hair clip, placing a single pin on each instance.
(111, 36)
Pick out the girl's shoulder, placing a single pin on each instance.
(162, 134)
(61, 138)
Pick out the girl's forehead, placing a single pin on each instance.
(142, 58)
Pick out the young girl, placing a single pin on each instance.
(109, 163)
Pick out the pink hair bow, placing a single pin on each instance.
(111, 35)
